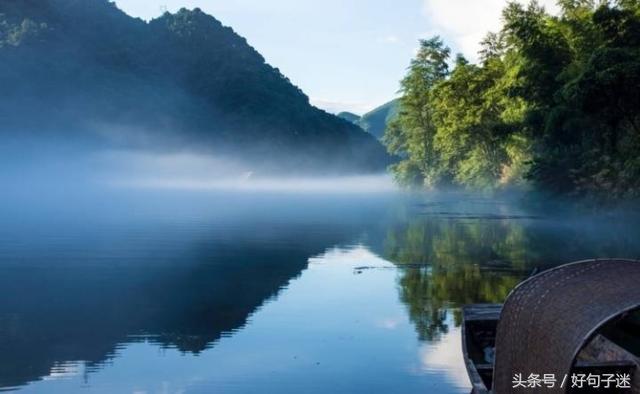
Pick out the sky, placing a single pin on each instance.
(346, 55)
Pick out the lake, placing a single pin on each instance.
(186, 291)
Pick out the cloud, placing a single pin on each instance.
(390, 323)
(445, 358)
(464, 23)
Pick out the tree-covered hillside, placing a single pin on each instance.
(375, 121)
(349, 116)
(554, 102)
(182, 80)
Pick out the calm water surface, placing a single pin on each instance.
(195, 292)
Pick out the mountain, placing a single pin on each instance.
(83, 69)
(350, 117)
(375, 122)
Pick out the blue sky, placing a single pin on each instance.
(345, 54)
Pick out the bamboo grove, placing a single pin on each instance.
(552, 104)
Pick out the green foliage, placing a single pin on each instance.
(375, 122)
(442, 265)
(554, 102)
(350, 117)
(182, 78)
(412, 135)
(470, 134)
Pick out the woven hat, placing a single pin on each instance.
(548, 318)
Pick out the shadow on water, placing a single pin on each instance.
(81, 282)
(458, 251)
(82, 278)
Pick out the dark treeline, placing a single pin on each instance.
(180, 81)
(554, 103)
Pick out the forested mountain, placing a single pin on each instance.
(375, 122)
(74, 67)
(554, 102)
(348, 116)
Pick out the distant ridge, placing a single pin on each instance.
(375, 122)
(181, 80)
(348, 116)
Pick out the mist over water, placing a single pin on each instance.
(175, 217)
(29, 165)
(126, 270)
(185, 171)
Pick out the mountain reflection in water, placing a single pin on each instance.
(201, 292)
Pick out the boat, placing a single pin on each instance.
(479, 324)
(549, 337)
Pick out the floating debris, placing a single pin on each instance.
(478, 216)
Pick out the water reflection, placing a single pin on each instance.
(202, 293)
(82, 313)
(448, 262)
(330, 330)
(445, 357)
(82, 287)
(461, 251)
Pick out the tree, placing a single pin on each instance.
(471, 134)
(554, 102)
(411, 136)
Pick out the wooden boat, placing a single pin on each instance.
(575, 320)
(602, 355)
(479, 324)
